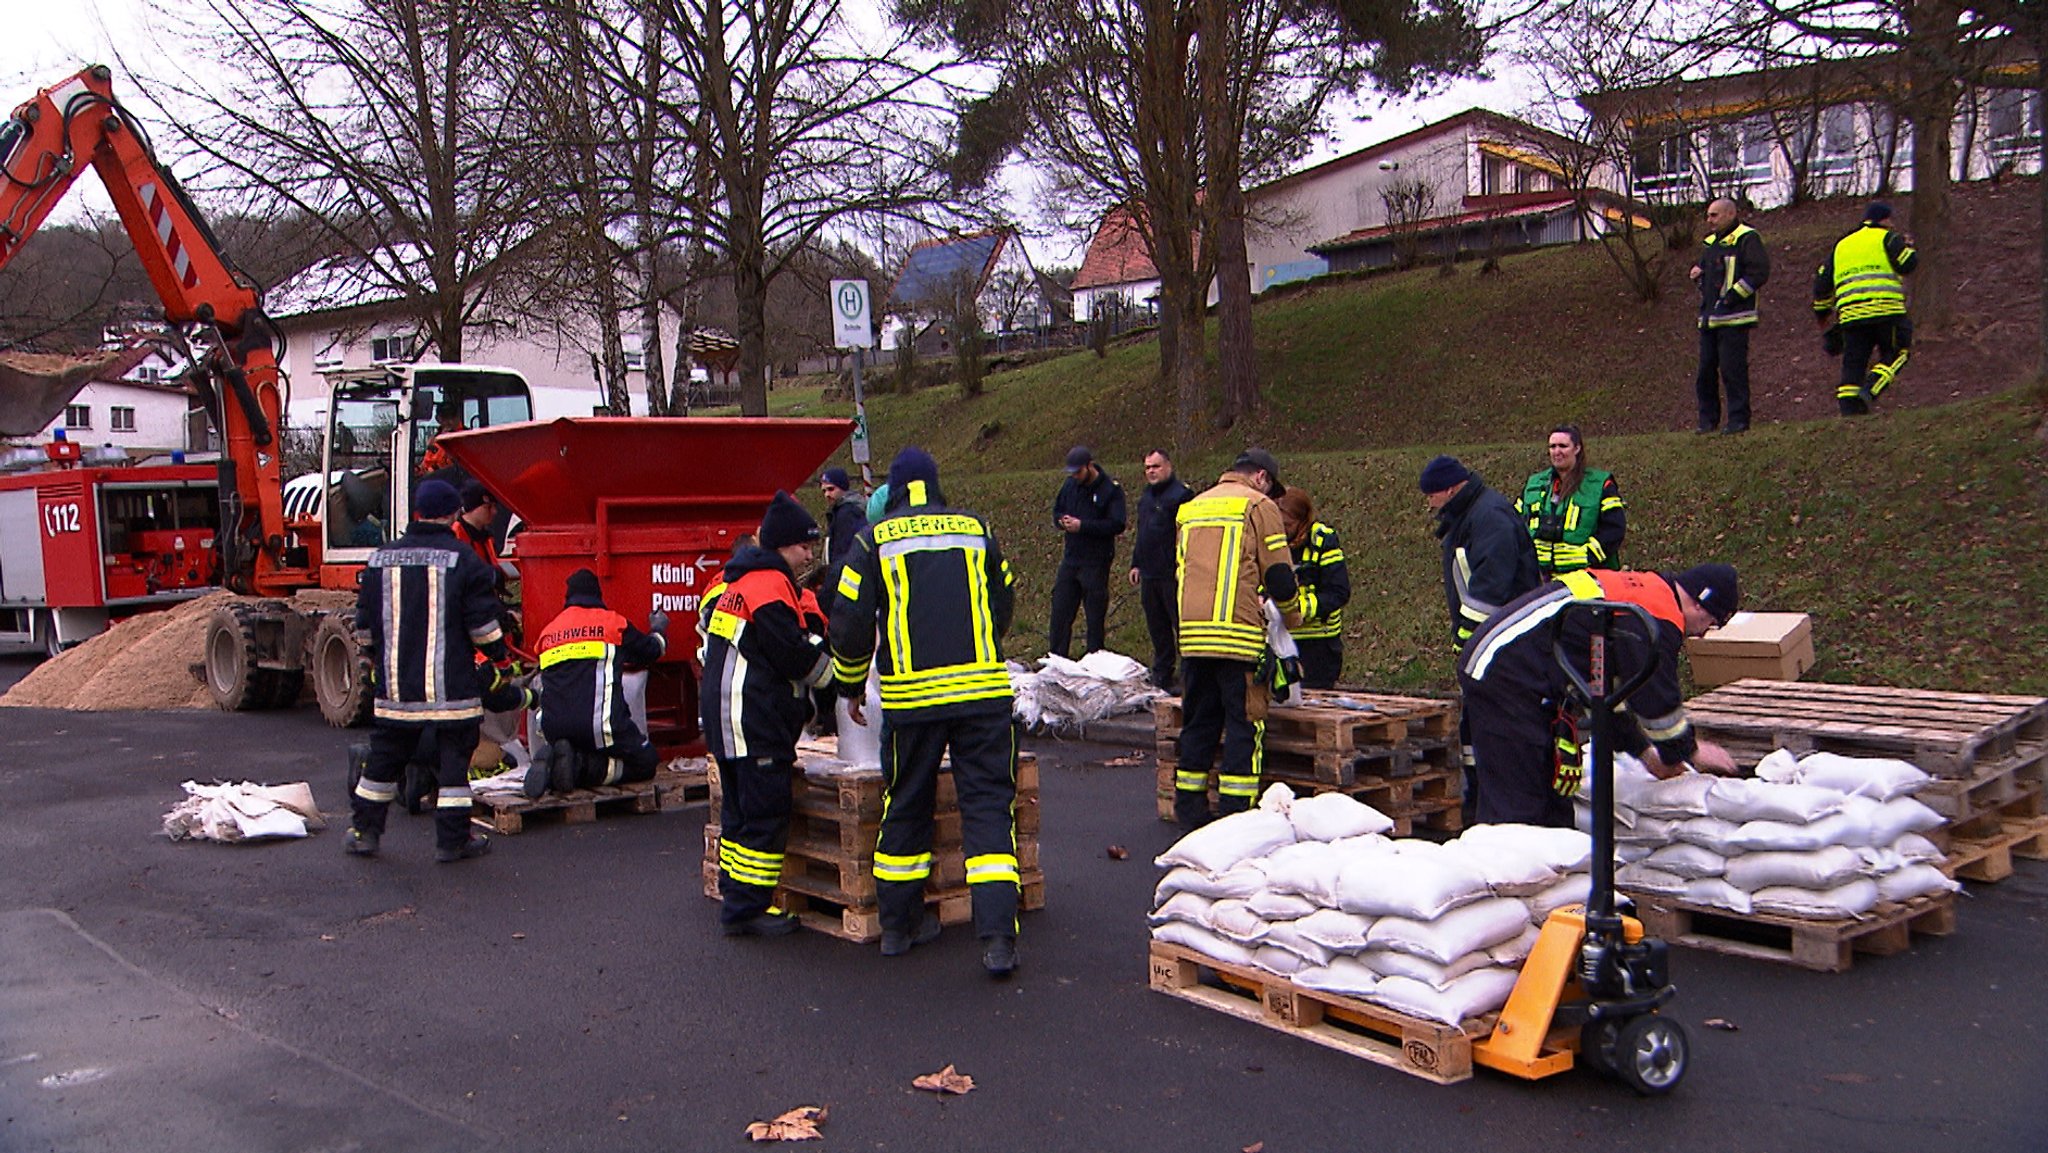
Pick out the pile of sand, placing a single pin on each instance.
(143, 662)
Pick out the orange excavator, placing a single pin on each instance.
(260, 651)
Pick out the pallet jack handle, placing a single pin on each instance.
(1603, 696)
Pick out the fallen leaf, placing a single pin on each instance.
(799, 1124)
(1255, 1147)
(1850, 1078)
(945, 1081)
(1722, 1023)
(519, 936)
(1118, 853)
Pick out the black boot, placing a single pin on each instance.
(999, 956)
(895, 942)
(478, 845)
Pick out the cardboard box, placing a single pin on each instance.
(1766, 646)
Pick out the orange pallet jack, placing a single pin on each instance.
(1593, 973)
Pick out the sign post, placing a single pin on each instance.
(853, 327)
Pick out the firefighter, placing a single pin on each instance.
(761, 661)
(1525, 727)
(1488, 557)
(1325, 584)
(1732, 268)
(1233, 554)
(1862, 284)
(1575, 514)
(587, 733)
(426, 601)
(932, 581)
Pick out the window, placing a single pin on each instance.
(390, 349)
(148, 374)
(636, 356)
(2013, 122)
(77, 416)
(1837, 151)
(1663, 163)
(121, 419)
(329, 355)
(1739, 153)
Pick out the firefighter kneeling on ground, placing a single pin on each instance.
(586, 735)
(1527, 760)
(934, 583)
(763, 654)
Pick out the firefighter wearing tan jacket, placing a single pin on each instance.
(1232, 553)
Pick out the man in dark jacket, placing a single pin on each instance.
(1152, 562)
(1525, 726)
(1732, 267)
(587, 733)
(846, 514)
(1488, 557)
(1090, 511)
(760, 663)
(427, 603)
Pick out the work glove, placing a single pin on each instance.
(1570, 774)
(657, 622)
(1831, 342)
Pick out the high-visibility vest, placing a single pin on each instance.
(1564, 536)
(1867, 287)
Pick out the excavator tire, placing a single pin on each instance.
(339, 658)
(246, 643)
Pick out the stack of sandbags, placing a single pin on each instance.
(1311, 889)
(1827, 837)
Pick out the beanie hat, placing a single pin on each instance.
(1258, 458)
(1078, 458)
(836, 477)
(1713, 585)
(583, 585)
(1444, 472)
(913, 466)
(786, 523)
(474, 494)
(1878, 211)
(436, 500)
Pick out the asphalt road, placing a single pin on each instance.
(571, 992)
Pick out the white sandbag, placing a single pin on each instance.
(1564, 850)
(1629, 854)
(1471, 995)
(1779, 766)
(1334, 929)
(1645, 879)
(1288, 935)
(1310, 869)
(1689, 861)
(1576, 889)
(1851, 900)
(1417, 879)
(1274, 960)
(1914, 881)
(1189, 907)
(1899, 816)
(1203, 941)
(1516, 951)
(1716, 891)
(1741, 800)
(1278, 798)
(1684, 795)
(1221, 844)
(1879, 778)
(1822, 868)
(1435, 974)
(1466, 929)
(1334, 816)
(1710, 833)
(1843, 829)
(1235, 920)
(1875, 861)
(1653, 831)
(1240, 882)
(1511, 869)
(1914, 849)
(1272, 905)
(1630, 779)
(1345, 976)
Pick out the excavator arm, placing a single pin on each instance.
(43, 147)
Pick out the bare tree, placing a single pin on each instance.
(387, 124)
(1410, 203)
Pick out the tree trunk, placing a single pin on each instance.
(750, 293)
(1236, 366)
(1931, 95)
(647, 233)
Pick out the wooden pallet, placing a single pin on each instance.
(1824, 946)
(816, 905)
(1990, 822)
(508, 813)
(849, 877)
(1960, 736)
(1989, 858)
(1432, 801)
(1330, 731)
(1430, 1050)
(857, 795)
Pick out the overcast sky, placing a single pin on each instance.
(43, 41)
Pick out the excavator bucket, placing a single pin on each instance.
(34, 388)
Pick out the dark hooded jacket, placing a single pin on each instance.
(759, 662)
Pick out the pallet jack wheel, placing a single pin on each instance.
(1597, 1039)
(1651, 1054)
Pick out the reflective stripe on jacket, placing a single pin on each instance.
(1733, 267)
(1231, 543)
(760, 661)
(1325, 583)
(582, 654)
(1862, 278)
(1583, 530)
(428, 604)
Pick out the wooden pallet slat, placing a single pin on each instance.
(508, 813)
(1989, 858)
(1954, 735)
(1824, 946)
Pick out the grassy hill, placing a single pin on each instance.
(1917, 538)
